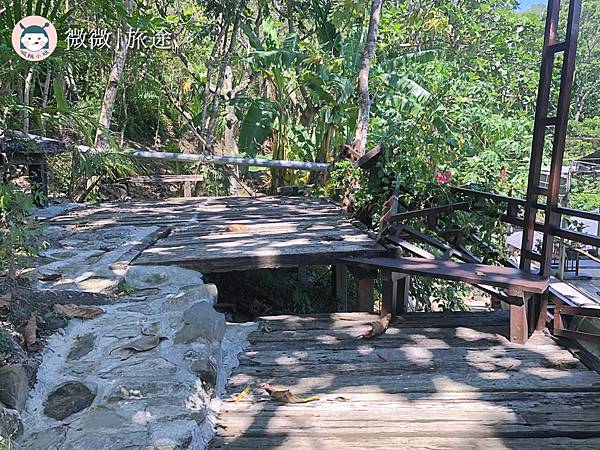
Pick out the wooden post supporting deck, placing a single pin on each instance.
(394, 292)
(529, 316)
(341, 285)
(365, 287)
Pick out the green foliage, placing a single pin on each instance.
(257, 125)
(18, 234)
(585, 193)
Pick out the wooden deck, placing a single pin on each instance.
(222, 234)
(432, 381)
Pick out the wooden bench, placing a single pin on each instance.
(18, 148)
(188, 182)
(522, 289)
(524, 292)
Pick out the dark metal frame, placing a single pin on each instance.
(559, 326)
(512, 216)
(552, 221)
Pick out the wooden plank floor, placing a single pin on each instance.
(222, 234)
(432, 381)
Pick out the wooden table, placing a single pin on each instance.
(32, 152)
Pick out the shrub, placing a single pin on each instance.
(18, 232)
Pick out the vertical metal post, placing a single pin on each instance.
(542, 121)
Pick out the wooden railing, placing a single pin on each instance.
(574, 311)
(512, 216)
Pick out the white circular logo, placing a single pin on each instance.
(34, 38)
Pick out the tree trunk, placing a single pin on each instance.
(26, 95)
(46, 94)
(229, 142)
(212, 121)
(580, 103)
(114, 78)
(364, 101)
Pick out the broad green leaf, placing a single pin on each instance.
(257, 125)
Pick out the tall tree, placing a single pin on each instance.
(114, 79)
(364, 100)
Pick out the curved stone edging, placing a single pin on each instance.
(166, 397)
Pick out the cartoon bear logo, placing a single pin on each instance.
(34, 38)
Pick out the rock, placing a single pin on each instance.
(67, 399)
(83, 345)
(49, 439)
(168, 279)
(10, 423)
(206, 369)
(182, 300)
(175, 435)
(10, 350)
(14, 386)
(201, 321)
(54, 322)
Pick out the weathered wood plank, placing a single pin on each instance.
(475, 401)
(472, 320)
(415, 386)
(389, 441)
(227, 261)
(402, 335)
(408, 357)
(250, 227)
(241, 241)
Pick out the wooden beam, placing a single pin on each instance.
(369, 159)
(426, 212)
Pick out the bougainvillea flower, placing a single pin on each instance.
(443, 178)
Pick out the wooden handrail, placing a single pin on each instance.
(426, 212)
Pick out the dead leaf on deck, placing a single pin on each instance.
(286, 396)
(30, 333)
(5, 300)
(237, 227)
(381, 357)
(377, 328)
(242, 395)
(80, 312)
(50, 277)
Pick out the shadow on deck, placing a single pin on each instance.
(432, 381)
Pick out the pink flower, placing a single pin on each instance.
(443, 178)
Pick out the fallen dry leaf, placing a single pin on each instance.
(286, 396)
(237, 227)
(5, 300)
(143, 343)
(381, 357)
(50, 277)
(377, 328)
(80, 312)
(30, 333)
(242, 395)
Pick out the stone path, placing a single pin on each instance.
(95, 392)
